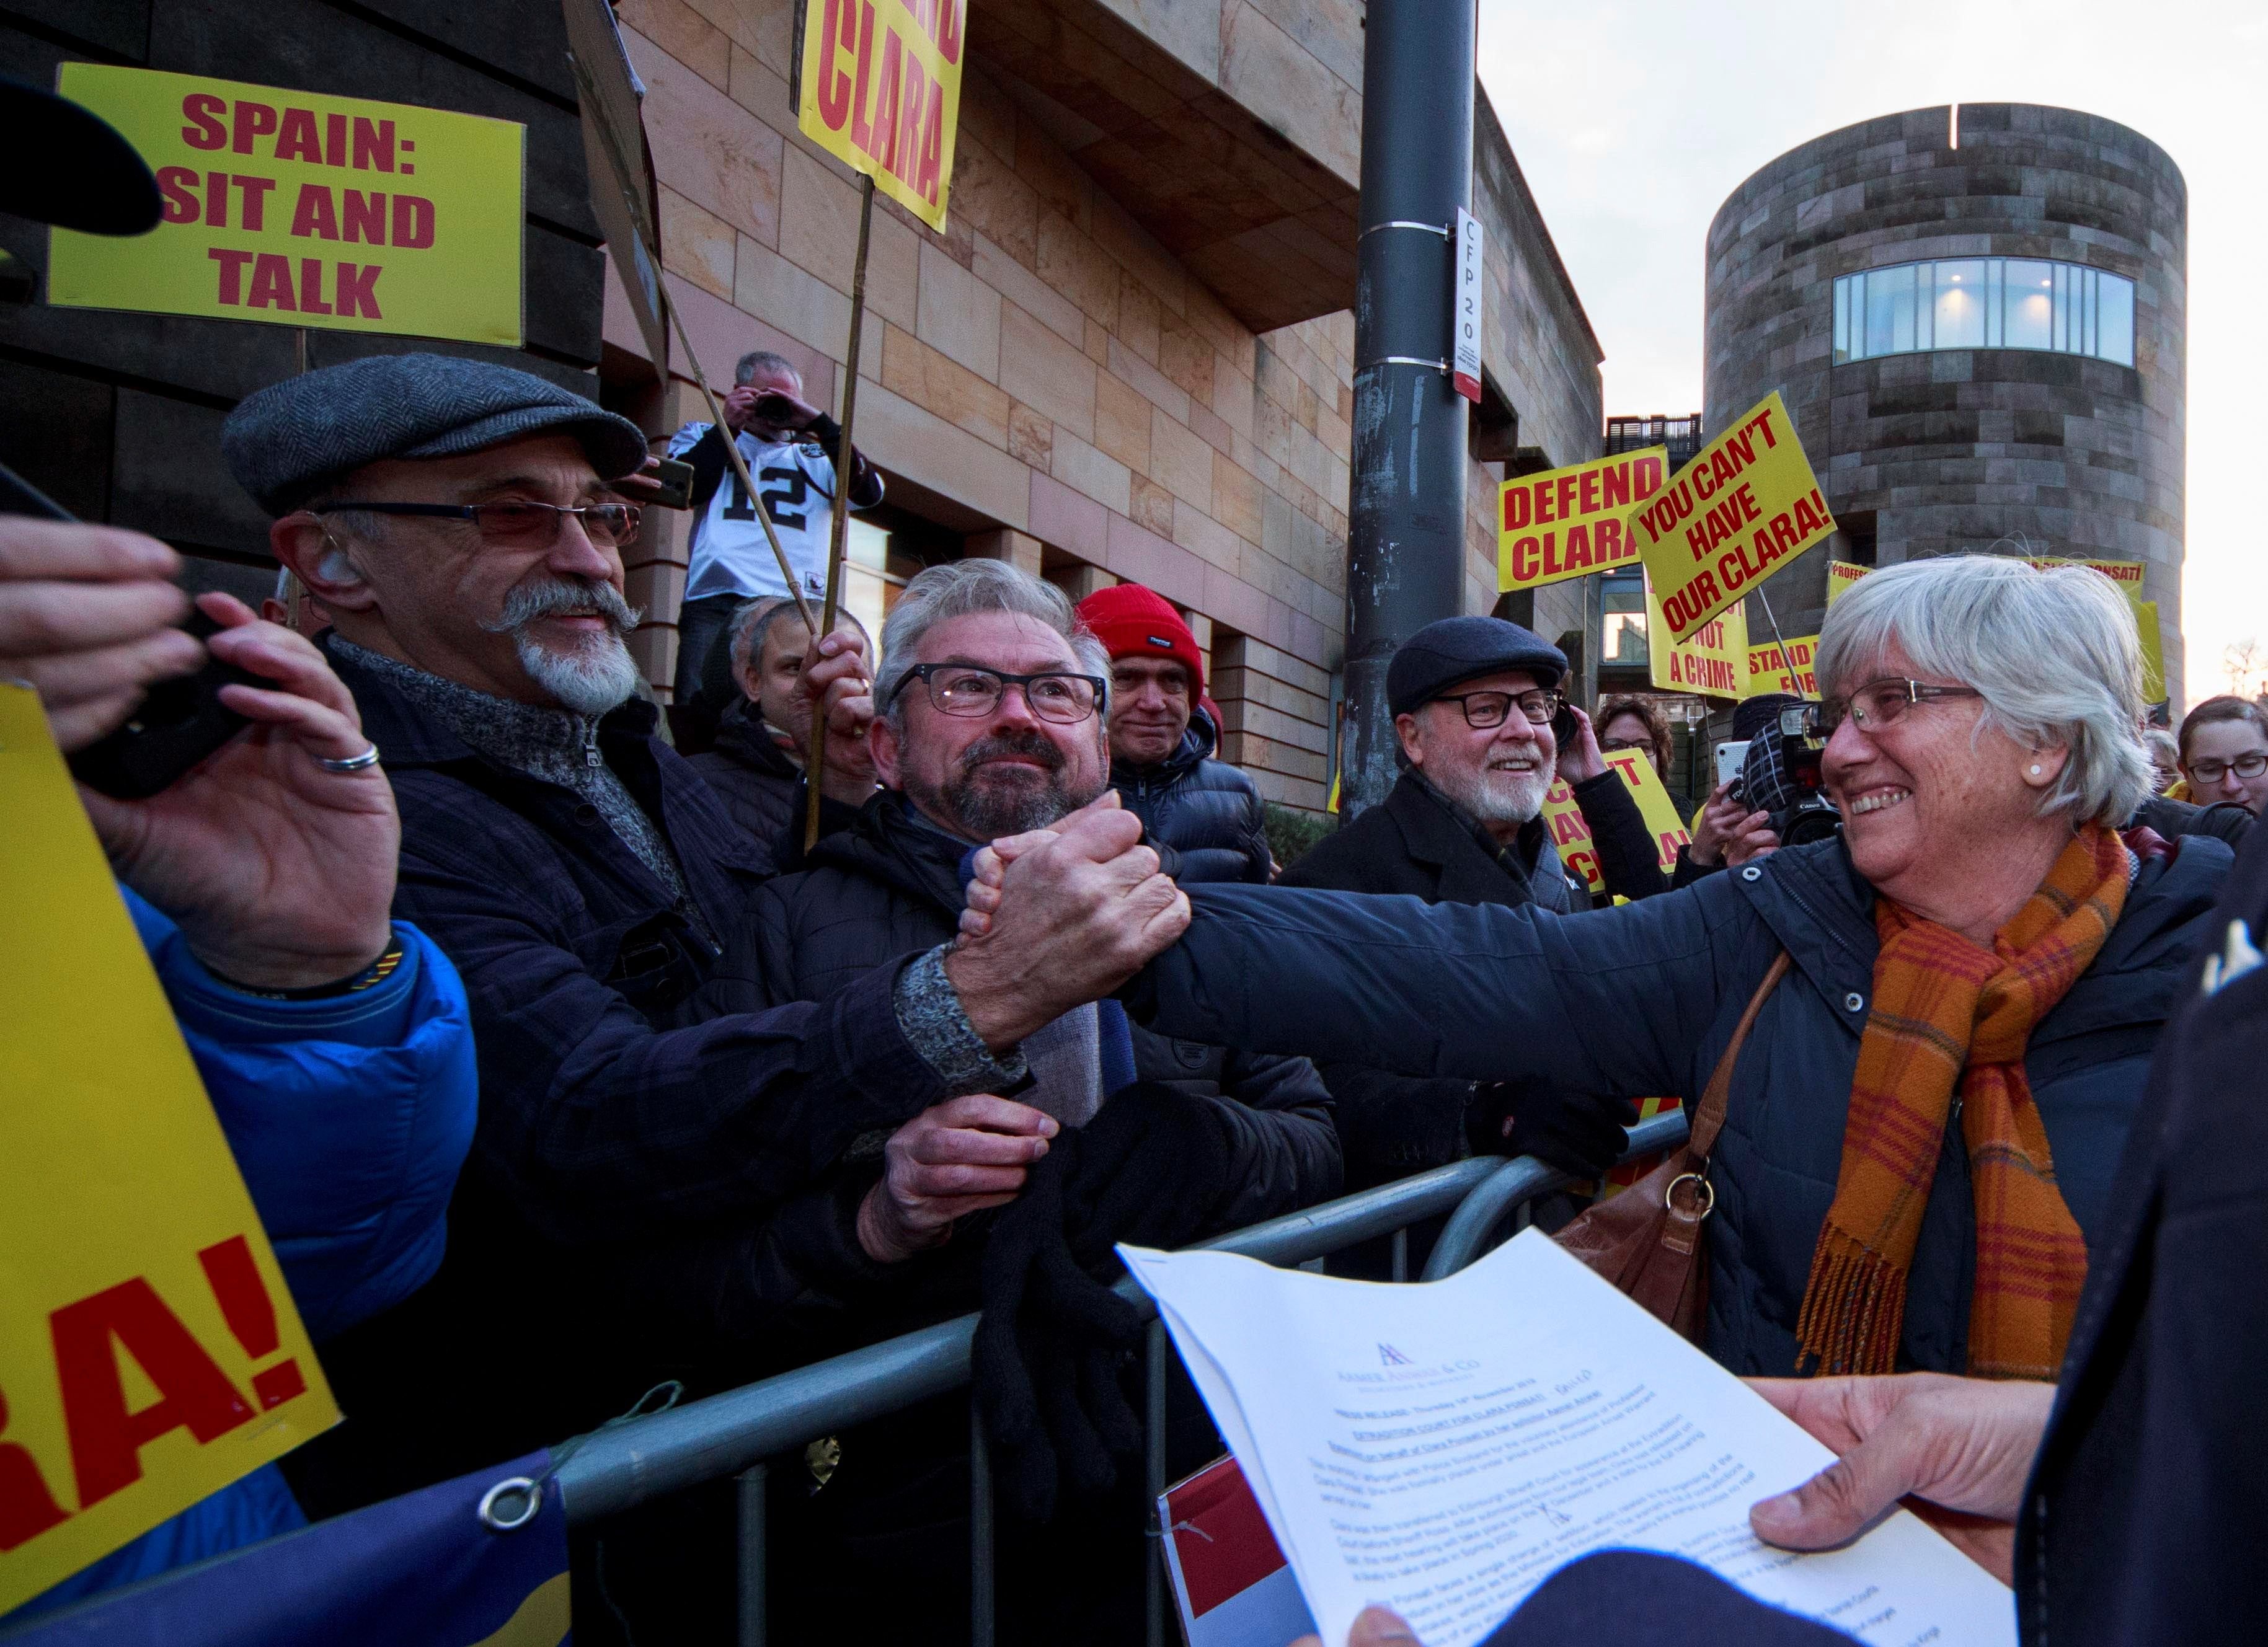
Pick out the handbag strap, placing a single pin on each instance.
(1708, 1114)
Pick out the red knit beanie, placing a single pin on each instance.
(1132, 621)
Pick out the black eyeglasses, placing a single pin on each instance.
(1609, 746)
(524, 524)
(2247, 767)
(1871, 707)
(967, 690)
(1484, 709)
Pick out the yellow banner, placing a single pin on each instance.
(1842, 575)
(149, 1353)
(880, 91)
(1713, 660)
(1570, 832)
(297, 210)
(1564, 523)
(2154, 652)
(1745, 507)
(1768, 671)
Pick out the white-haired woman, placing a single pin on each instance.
(1925, 1122)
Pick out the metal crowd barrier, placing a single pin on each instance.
(733, 1433)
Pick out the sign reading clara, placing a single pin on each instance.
(880, 90)
(299, 210)
(1745, 507)
(1564, 523)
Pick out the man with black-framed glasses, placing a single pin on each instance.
(1474, 700)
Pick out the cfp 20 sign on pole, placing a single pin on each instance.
(299, 210)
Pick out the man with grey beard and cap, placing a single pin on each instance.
(461, 527)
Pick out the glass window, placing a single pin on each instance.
(1985, 303)
(1622, 627)
(875, 568)
(1958, 313)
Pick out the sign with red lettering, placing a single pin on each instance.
(149, 1354)
(880, 91)
(1710, 660)
(1770, 671)
(298, 209)
(1571, 831)
(1746, 506)
(1564, 523)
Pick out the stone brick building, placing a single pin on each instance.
(1130, 356)
(1976, 317)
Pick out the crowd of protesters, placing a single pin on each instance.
(553, 1058)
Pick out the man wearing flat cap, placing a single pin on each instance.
(458, 522)
(1473, 700)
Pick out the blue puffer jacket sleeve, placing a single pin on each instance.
(349, 1117)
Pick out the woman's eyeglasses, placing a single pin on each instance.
(524, 524)
(2247, 767)
(1877, 705)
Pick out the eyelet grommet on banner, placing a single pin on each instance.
(530, 1501)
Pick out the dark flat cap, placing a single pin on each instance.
(1454, 650)
(285, 443)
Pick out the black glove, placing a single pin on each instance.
(1580, 1135)
(1053, 1338)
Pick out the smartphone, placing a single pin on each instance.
(673, 478)
(1730, 758)
(177, 725)
(1563, 730)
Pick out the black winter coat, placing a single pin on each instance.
(1642, 999)
(2146, 1496)
(887, 889)
(1206, 809)
(760, 786)
(1393, 1125)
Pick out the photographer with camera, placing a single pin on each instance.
(791, 449)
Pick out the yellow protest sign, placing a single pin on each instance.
(1769, 672)
(300, 210)
(1564, 523)
(149, 1353)
(1842, 575)
(1570, 832)
(1745, 507)
(1711, 660)
(880, 91)
(2154, 652)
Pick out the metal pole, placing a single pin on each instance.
(749, 1490)
(1406, 508)
(845, 472)
(1786, 663)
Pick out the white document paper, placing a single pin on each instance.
(1443, 1448)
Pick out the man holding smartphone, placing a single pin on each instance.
(791, 448)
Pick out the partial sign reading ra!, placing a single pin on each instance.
(880, 91)
(1745, 507)
(298, 210)
(1564, 523)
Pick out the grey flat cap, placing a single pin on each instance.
(1451, 651)
(287, 441)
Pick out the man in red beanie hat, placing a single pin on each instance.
(1163, 731)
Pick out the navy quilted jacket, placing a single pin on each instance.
(1206, 809)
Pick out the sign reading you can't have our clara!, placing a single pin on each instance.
(299, 210)
(1745, 507)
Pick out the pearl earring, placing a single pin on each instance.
(2036, 769)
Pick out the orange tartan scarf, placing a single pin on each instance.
(1948, 1014)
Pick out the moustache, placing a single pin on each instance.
(564, 597)
(1032, 746)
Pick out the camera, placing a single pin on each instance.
(1810, 816)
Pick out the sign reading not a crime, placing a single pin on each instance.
(1570, 522)
(299, 210)
(1745, 507)
(879, 90)
(1711, 660)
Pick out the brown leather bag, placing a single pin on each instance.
(1647, 1240)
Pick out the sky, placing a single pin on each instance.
(1633, 121)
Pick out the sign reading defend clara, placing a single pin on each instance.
(1746, 506)
(1564, 523)
(300, 210)
(879, 90)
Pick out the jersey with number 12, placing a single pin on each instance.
(796, 484)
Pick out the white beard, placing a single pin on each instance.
(597, 676)
(1494, 796)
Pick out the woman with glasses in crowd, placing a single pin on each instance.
(2224, 748)
(1923, 1123)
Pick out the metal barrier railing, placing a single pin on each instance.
(733, 1434)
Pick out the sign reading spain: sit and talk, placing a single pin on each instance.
(300, 210)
